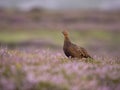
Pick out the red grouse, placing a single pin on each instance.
(72, 50)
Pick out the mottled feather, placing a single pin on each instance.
(72, 50)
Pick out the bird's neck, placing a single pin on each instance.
(66, 40)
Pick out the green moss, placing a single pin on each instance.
(18, 36)
(55, 37)
(64, 60)
(87, 78)
(49, 86)
(68, 77)
(93, 61)
(7, 72)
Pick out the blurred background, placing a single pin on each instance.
(37, 24)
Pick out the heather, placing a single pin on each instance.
(46, 70)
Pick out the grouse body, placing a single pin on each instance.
(72, 50)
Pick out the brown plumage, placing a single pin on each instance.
(72, 50)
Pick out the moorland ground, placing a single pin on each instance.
(31, 55)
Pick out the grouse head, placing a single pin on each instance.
(66, 38)
(65, 33)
